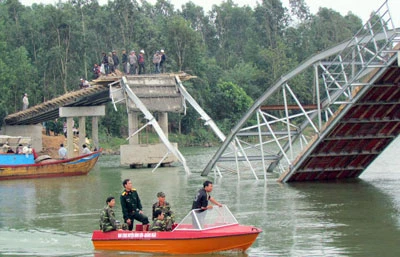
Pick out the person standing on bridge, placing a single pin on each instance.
(156, 62)
(162, 63)
(141, 61)
(25, 102)
(104, 62)
(132, 63)
(115, 60)
(124, 62)
(111, 67)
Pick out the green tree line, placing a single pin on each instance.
(236, 52)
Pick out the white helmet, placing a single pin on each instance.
(142, 51)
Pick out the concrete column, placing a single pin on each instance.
(133, 125)
(163, 122)
(95, 132)
(70, 137)
(82, 133)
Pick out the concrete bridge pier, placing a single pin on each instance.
(82, 113)
(163, 122)
(137, 155)
(133, 125)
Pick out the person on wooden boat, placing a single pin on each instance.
(85, 150)
(131, 206)
(5, 147)
(62, 152)
(107, 217)
(19, 149)
(159, 223)
(9, 150)
(203, 196)
(165, 207)
(27, 149)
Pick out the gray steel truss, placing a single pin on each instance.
(282, 135)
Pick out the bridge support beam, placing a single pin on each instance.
(95, 132)
(163, 121)
(133, 125)
(82, 113)
(82, 133)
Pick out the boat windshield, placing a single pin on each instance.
(209, 219)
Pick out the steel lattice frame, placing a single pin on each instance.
(279, 137)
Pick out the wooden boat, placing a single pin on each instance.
(214, 230)
(80, 165)
(29, 165)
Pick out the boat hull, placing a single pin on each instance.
(51, 168)
(235, 238)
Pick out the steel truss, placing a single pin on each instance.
(282, 134)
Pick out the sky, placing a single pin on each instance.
(361, 8)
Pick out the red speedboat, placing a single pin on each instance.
(214, 230)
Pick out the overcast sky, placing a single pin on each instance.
(361, 8)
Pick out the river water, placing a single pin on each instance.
(55, 217)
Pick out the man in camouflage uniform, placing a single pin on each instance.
(164, 206)
(131, 206)
(159, 222)
(107, 217)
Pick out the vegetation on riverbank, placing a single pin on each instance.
(236, 53)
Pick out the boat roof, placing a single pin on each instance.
(203, 220)
(14, 141)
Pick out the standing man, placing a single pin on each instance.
(156, 62)
(62, 152)
(124, 62)
(163, 59)
(141, 61)
(115, 60)
(111, 67)
(104, 61)
(132, 63)
(131, 206)
(203, 196)
(25, 102)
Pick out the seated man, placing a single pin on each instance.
(165, 207)
(107, 217)
(158, 223)
(84, 83)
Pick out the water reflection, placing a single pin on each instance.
(356, 216)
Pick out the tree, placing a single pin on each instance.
(184, 44)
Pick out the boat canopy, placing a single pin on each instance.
(14, 141)
(203, 220)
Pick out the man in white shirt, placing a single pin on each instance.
(85, 150)
(62, 152)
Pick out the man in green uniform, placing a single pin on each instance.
(107, 217)
(131, 206)
(158, 223)
(165, 207)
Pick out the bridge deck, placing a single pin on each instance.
(357, 136)
(98, 94)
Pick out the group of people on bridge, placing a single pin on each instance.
(163, 218)
(132, 64)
